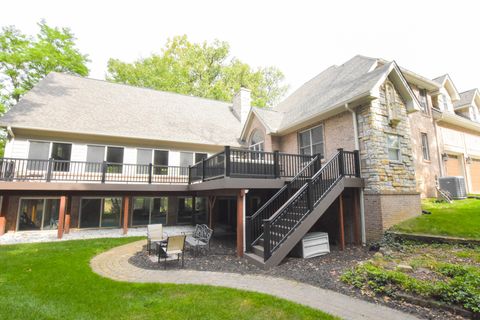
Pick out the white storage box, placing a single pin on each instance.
(312, 245)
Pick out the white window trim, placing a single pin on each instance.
(425, 148)
(399, 149)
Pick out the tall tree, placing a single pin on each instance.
(26, 60)
(200, 69)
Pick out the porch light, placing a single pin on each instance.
(444, 156)
(468, 160)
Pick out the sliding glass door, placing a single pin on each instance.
(100, 212)
(38, 214)
(147, 210)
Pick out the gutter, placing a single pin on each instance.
(362, 199)
(10, 132)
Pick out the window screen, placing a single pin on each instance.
(95, 154)
(144, 158)
(38, 151)
(160, 160)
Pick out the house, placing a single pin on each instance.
(350, 153)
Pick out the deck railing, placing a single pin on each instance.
(231, 162)
(14, 169)
(244, 163)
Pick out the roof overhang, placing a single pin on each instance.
(416, 79)
(40, 133)
(452, 91)
(456, 120)
(396, 76)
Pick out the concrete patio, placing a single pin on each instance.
(81, 234)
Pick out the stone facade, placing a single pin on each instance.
(380, 173)
(390, 186)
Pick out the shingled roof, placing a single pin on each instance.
(466, 99)
(333, 87)
(68, 103)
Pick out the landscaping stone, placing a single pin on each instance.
(404, 268)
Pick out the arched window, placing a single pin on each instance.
(257, 141)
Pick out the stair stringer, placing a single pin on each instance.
(306, 224)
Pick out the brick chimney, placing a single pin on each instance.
(242, 102)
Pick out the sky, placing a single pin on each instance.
(301, 38)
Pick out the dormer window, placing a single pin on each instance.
(392, 106)
(445, 102)
(423, 100)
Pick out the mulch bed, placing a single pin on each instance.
(323, 271)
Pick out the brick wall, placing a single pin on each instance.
(382, 211)
(426, 171)
(338, 133)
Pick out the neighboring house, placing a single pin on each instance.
(84, 153)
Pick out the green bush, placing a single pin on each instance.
(461, 287)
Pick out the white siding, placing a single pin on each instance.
(173, 158)
(8, 149)
(19, 148)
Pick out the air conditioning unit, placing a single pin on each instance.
(454, 185)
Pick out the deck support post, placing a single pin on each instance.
(211, 205)
(341, 223)
(126, 210)
(68, 211)
(61, 216)
(3, 214)
(240, 219)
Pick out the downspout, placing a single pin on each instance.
(10, 132)
(362, 199)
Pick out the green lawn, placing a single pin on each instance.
(54, 281)
(458, 219)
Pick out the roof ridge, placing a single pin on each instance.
(136, 87)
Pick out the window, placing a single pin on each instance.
(200, 156)
(423, 100)
(95, 156)
(114, 155)
(38, 151)
(257, 141)
(186, 159)
(144, 158)
(425, 148)
(160, 162)
(38, 214)
(311, 141)
(148, 210)
(445, 102)
(62, 152)
(393, 144)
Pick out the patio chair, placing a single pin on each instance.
(200, 238)
(154, 234)
(175, 246)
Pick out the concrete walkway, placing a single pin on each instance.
(114, 264)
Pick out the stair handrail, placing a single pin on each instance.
(312, 202)
(282, 189)
(250, 219)
(294, 196)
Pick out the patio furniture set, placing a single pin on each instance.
(168, 247)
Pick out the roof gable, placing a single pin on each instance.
(446, 82)
(467, 99)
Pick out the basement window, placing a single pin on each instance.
(393, 144)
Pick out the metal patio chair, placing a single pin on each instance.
(175, 246)
(154, 234)
(200, 238)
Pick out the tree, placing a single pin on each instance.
(200, 69)
(26, 60)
